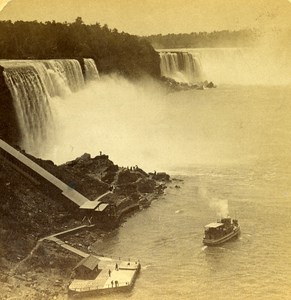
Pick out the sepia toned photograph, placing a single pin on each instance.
(145, 149)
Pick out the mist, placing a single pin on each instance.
(268, 62)
(141, 124)
(113, 115)
(138, 123)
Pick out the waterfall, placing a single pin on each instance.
(31, 102)
(242, 66)
(33, 84)
(65, 73)
(180, 66)
(91, 72)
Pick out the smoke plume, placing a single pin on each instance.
(220, 206)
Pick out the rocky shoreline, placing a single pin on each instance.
(42, 270)
(173, 86)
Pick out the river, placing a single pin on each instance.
(231, 146)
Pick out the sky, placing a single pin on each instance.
(155, 16)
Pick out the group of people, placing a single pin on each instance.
(135, 168)
(116, 281)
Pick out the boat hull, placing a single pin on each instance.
(216, 242)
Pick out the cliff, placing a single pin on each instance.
(29, 212)
(9, 129)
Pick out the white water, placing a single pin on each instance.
(91, 71)
(53, 105)
(246, 66)
(139, 124)
(33, 85)
(31, 102)
(239, 66)
(180, 66)
(232, 143)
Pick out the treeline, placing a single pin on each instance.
(112, 51)
(225, 38)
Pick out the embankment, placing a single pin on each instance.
(29, 212)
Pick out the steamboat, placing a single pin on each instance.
(220, 232)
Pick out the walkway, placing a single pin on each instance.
(124, 275)
(54, 238)
(66, 190)
(93, 204)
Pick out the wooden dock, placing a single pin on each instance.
(109, 279)
(119, 279)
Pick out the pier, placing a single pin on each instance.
(110, 274)
(106, 274)
(109, 278)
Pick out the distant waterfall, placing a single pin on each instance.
(241, 66)
(91, 71)
(180, 66)
(33, 84)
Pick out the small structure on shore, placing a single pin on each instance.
(87, 268)
(113, 275)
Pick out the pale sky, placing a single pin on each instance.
(145, 17)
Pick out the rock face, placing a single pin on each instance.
(174, 86)
(161, 176)
(9, 129)
(30, 211)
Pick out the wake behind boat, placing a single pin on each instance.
(221, 231)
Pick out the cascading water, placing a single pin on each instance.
(91, 72)
(67, 72)
(33, 84)
(31, 102)
(242, 66)
(180, 66)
